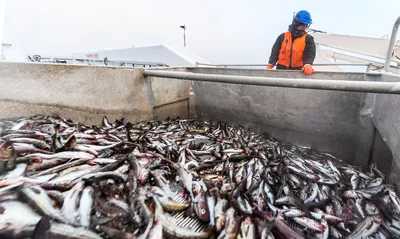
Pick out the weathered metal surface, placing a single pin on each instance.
(12, 109)
(84, 93)
(386, 115)
(382, 156)
(327, 120)
(172, 110)
(166, 91)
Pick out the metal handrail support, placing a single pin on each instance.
(319, 84)
(391, 44)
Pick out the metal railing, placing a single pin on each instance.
(264, 65)
(319, 84)
(105, 61)
(391, 44)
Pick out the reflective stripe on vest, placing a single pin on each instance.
(294, 51)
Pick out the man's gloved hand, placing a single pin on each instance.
(308, 69)
(269, 67)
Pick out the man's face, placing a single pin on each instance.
(302, 27)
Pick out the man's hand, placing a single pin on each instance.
(269, 67)
(308, 69)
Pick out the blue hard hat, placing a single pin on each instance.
(303, 16)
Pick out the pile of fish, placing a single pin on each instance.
(180, 179)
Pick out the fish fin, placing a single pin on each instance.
(105, 121)
(68, 146)
(128, 127)
(41, 228)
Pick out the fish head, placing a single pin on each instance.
(378, 219)
(350, 194)
(227, 187)
(197, 188)
(143, 176)
(248, 221)
(65, 130)
(324, 222)
(202, 208)
(7, 150)
(91, 162)
(89, 190)
(143, 161)
(218, 183)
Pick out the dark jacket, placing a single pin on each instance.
(308, 55)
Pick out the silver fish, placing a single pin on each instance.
(85, 206)
(366, 227)
(18, 212)
(309, 223)
(69, 208)
(65, 154)
(37, 198)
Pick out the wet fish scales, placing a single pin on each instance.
(315, 180)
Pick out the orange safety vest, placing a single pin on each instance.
(291, 53)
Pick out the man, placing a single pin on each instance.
(295, 49)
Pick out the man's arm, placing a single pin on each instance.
(309, 51)
(275, 50)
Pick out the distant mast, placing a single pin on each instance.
(184, 34)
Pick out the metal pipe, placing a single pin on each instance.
(326, 64)
(391, 44)
(319, 84)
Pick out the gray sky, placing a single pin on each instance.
(220, 31)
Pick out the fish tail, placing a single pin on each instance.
(41, 227)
